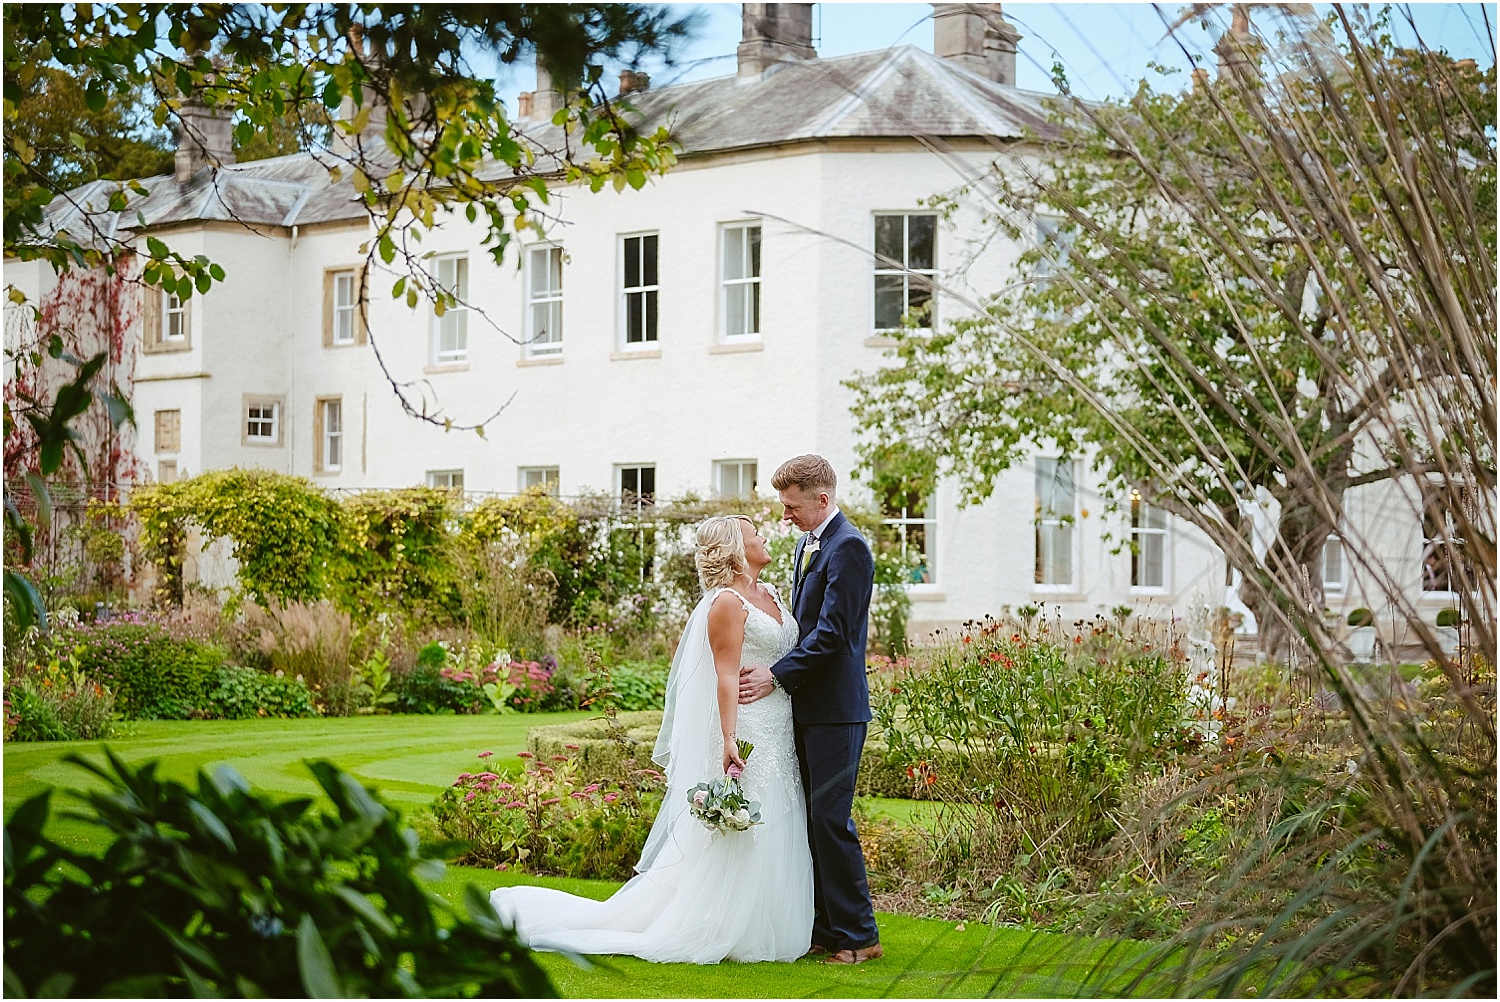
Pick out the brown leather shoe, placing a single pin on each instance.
(816, 950)
(856, 956)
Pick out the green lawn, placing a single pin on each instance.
(411, 758)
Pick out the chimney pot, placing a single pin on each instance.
(773, 33)
(633, 81)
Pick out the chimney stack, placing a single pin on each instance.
(974, 36)
(774, 33)
(203, 138)
(633, 82)
(543, 102)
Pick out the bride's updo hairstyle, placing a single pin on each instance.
(721, 551)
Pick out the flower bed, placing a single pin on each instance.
(551, 818)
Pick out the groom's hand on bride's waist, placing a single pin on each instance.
(755, 683)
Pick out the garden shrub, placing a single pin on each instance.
(551, 818)
(1038, 733)
(534, 688)
(221, 891)
(56, 702)
(239, 693)
(398, 551)
(639, 685)
(599, 749)
(435, 686)
(153, 675)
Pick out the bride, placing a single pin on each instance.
(698, 897)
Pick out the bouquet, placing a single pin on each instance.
(721, 805)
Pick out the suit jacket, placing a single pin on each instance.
(825, 672)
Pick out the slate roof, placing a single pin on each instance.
(898, 92)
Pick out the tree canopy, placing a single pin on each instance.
(1278, 282)
(386, 96)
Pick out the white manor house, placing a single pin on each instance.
(686, 337)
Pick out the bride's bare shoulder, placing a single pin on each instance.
(726, 608)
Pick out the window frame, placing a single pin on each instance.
(1450, 538)
(329, 439)
(652, 323)
(551, 479)
(1070, 522)
(907, 273)
(551, 348)
(720, 465)
(902, 525)
(180, 311)
(1331, 588)
(741, 229)
(432, 477)
(349, 310)
(1139, 508)
(459, 312)
(643, 499)
(278, 420)
(163, 467)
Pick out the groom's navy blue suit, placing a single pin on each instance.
(825, 676)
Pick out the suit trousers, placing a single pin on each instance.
(843, 918)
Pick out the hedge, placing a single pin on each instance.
(600, 756)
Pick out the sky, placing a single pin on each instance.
(1105, 49)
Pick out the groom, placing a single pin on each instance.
(825, 676)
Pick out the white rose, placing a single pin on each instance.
(742, 816)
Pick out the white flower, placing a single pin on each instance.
(742, 816)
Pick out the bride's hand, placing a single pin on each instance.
(732, 758)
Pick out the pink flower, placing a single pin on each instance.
(485, 754)
(516, 803)
(502, 866)
(700, 797)
(504, 786)
(525, 754)
(465, 775)
(469, 795)
(610, 798)
(559, 758)
(591, 788)
(554, 800)
(735, 770)
(571, 747)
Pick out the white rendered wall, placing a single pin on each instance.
(680, 406)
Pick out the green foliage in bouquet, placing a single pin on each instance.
(221, 891)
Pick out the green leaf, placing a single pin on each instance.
(211, 825)
(366, 909)
(315, 963)
(25, 601)
(43, 498)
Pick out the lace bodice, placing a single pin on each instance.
(767, 722)
(766, 641)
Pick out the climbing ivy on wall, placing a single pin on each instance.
(285, 533)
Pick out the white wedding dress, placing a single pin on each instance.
(697, 897)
